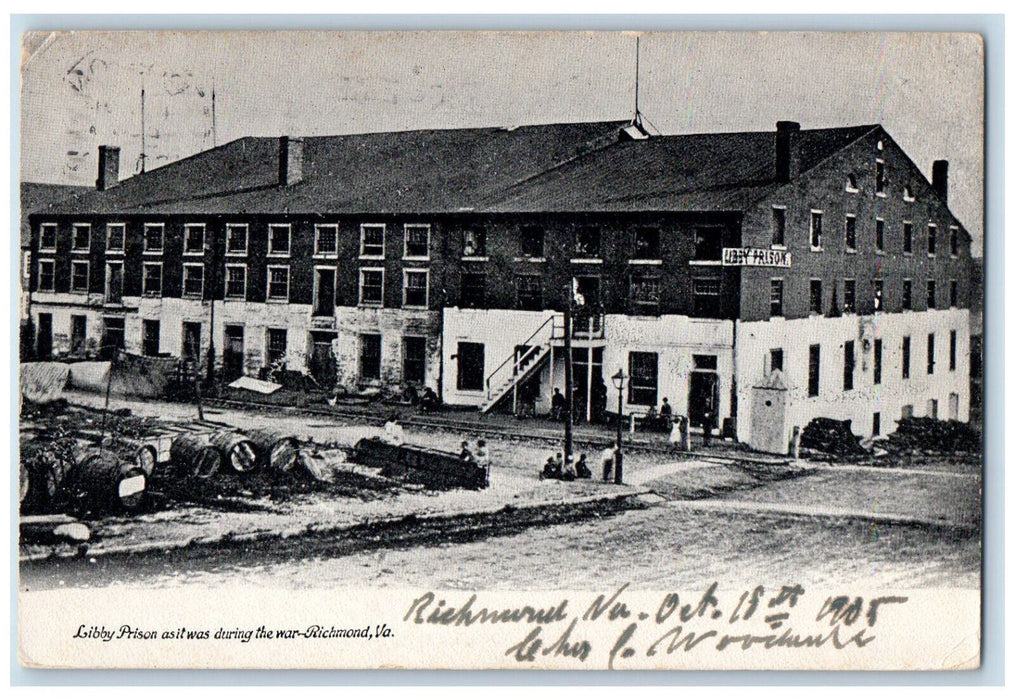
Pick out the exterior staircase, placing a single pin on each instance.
(519, 366)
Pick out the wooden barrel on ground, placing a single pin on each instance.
(104, 482)
(276, 451)
(195, 456)
(238, 451)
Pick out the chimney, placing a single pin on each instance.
(787, 153)
(109, 167)
(939, 179)
(290, 160)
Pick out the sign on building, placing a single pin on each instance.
(755, 257)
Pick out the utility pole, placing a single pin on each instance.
(568, 373)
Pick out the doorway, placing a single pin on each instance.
(703, 395)
(44, 340)
(232, 353)
(78, 331)
(323, 367)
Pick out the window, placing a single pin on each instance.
(953, 293)
(932, 408)
(152, 279)
(907, 236)
(905, 357)
(114, 282)
(532, 241)
(879, 235)
(705, 296)
(278, 283)
(193, 239)
(79, 276)
(78, 333)
(324, 291)
(112, 336)
(417, 241)
(645, 291)
(150, 332)
(708, 244)
(815, 230)
(907, 411)
(907, 294)
(953, 240)
(414, 359)
(642, 388)
(279, 239)
(471, 366)
(775, 297)
(586, 242)
(47, 275)
(115, 235)
(371, 287)
(876, 425)
(850, 231)
(47, 237)
(190, 348)
(815, 307)
(414, 289)
(814, 371)
(879, 177)
(193, 280)
(930, 353)
(326, 239)
(646, 244)
(82, 237)
(848, 364)
(530, 292)
(474, 242)
(778, 226)
(236, 281)
(775, 360)
(371, 241)
(473, 291)
(931, 239)
(236, 239)
(877, 360)
(931, 294)
(952, 350)
(879, 295)
(154, 238)
(907, 194)
(277, 346)
(370, 356)
(849, 296)
(851, 185)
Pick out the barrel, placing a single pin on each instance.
(238, 450)
(277, 451)
(195, 456)
(145, 458)
(104, 482)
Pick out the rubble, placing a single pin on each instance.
(927, 434)
(834, 437)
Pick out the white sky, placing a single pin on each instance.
(83, 89)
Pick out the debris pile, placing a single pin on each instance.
(834, 437)
(927, 434)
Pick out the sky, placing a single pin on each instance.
(80, 90)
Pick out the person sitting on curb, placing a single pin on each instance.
(550, 469)
(581, 468)
(466, 454)
(482, 455)
(568, 473)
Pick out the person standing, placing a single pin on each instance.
(607, 456)
(707, 426)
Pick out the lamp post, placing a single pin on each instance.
(618, 459)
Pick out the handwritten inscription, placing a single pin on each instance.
(755, 620)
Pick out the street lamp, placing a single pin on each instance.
(618, 459)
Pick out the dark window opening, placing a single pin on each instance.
(954, 240)
(150, 332)
(850, 232)
(370, 356)
(78, 334)
(532, 241)
(324, 292)
(775, 360)
(953, 293)
(815, 297)
(879, 235)
(153, 238)
(47, 275)
(775, 305)
(587, 242)
(849, 296)
(952, 350)
(706, 362)
(414, 359)
(115, 234)
(848, 365)
(931, 294)
(643, 385)
(646, 244)
(814, 371)
(112, 336)
(876, 426)
(931, 239)
(47, 236)
(705, 291)
(473, 293)
(879, 177)
(815, 229)
(877, 361)
(907, 237)
(474, 242)
(530, 292)
(191, 350)
(905, 357)
(930, 353)
(879, 294)
(778, 226)
(193, 239)
(907, 294)
(82, 236)
(278, 239)
(708, 244)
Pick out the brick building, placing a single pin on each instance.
(767, 276)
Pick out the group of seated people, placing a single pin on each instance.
(481, 457)
(661, 419)
(555, 468)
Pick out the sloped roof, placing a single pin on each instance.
(40, 197)
(542, 168)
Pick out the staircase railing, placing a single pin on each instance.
(514, 361)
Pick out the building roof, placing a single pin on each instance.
(40, 197)
(541, 168)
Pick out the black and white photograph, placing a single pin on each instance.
(559, 350)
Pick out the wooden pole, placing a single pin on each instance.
(568, 374)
